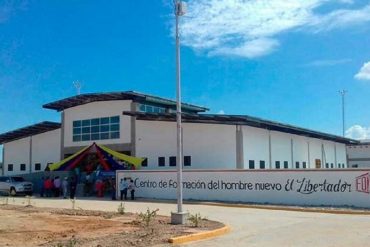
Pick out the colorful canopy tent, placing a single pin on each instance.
(106, 158)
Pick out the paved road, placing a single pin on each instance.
(252, 227)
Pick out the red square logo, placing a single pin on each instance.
(363, 183)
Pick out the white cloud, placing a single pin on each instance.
(358, 132)
(221, 112)
(249, 28)
(364, 73)
(325, 63)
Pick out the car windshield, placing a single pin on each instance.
(17, 179)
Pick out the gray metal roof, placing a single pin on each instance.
(240, 120)
(82, 99)
(29, 131)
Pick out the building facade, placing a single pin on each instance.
(359, 154)
(145, 126)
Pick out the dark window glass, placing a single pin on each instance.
(77, 123)
(145, 162)
(327, 165)
(85, 137)
(23, 167)
(104, 136)
(114, 119)
(10, 167)
(142, 108)
(262, 164)
(77, 138)
(251, 164)
(85, 130)
(331, 165)
(95, 129)
(95, 121)
(104, 120)
(95, 137)
(156, 110)
(161, 161)
(114, 127)
(104, 128)
(114, 135)
(304, 165)
(173, 161)
(297, 164)
(277, 164)
(76, 131)
(37, 167)
(86, 122)
(149, 108)
(286, 164)
(187, 160)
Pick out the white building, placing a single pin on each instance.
(144, 126)
(359, 154)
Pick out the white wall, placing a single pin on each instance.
(300, 151)
(98, 110)
(359, 155)
(16, 153)
(209, 145)
(280, 149)
(46, 148)
(300, 187)
(255, 146)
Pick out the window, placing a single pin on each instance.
(37, 167)
(187, 160)
(23, 167)
(10, 167)
(304, 165)
(161, 161)
(327, 165)
(151, 109)
(277, 164)
(145, 162)
(96, 129)
(251, 164)
(355, 166)
(344, 166)
(286, 164)
(297, 164)
(331, 165)
(262, 164)
(173, 161)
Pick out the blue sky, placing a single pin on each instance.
(278, 60)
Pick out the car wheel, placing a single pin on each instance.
(12, 192)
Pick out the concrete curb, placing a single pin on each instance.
(287, 208)
(200, 236)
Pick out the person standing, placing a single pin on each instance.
(113, 188)
(72, 187)
(57, 186)
(123, 188)
(42, 187)
(48, 185)
(131, 188)
(65, 187)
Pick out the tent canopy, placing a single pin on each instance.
(105, 156)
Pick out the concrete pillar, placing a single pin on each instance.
(335, 156)
(62, 135)
(270, 156)
(3, 169)
(30, 156)
(133, 108)
(308, 155)
(291, 153)
(239, 148)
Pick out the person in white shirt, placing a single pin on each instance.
(123, 186)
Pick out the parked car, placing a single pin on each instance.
(13, 185)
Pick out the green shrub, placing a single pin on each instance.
(121, 208)
(148, 216)
(196, 219)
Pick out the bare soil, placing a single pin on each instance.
(32, 226)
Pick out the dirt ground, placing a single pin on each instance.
(32, 226)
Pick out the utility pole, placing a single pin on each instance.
(179, 217)
(343, 94)
(78, 86)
